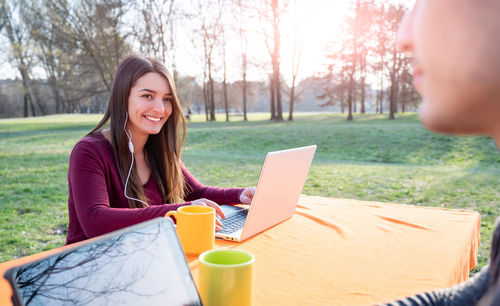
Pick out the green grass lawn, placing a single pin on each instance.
(368, 159)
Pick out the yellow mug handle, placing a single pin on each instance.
(172, 213)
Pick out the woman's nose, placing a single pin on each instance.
(158, 106)
(405, 34)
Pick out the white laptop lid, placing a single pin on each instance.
(280, 184)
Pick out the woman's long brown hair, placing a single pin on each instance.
(162, 150)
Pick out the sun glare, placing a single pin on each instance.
(319, 24)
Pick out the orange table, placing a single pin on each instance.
(347, 252)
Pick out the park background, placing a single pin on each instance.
(257, 75)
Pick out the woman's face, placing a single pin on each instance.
(149, 105)
(456, 62)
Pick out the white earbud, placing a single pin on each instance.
(130, 146)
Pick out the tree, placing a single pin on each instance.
(244, 62)
(358, 35)
(380, 65)
(367, 47)
(43, 31)
(190, 93)
(224, 82)
(362, 77)
(335, 81)
(354, 41)
(155, 27)
(408, 96)
(93, 29)
(269, 13)
(210, 30)
(394, 15)
(21, 48)
(297, 55)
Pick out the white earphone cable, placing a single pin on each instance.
(131, 149)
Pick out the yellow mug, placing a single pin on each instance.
(226, 277)
(195, 228)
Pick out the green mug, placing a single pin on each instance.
(226, 277)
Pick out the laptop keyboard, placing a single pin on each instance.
(234, 222)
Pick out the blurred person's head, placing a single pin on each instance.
(456, 51)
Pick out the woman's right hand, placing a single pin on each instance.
(218, 210)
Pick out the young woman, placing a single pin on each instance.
(132, 171)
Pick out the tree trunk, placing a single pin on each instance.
(245, 97)
(172, 47)
(382, 103)
(392, 98)
(363, 96)
(396, 64)
(349, 97)
(55, 93)
(276, 61)
(244, 63)
(205, 91)
(354, 104)
(273, 102)
(25, 106)
(205, 98)
(342, 101)
(225, 77)
(292, 98)
(28, 101)
(32, 106)
(403, 100)
(279, 110)
(212, 96)
(37, 102)
(224, 81)
(380, 96)
(350, 93)
(225, 98)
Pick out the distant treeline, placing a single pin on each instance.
(66, 52)
(190, 94)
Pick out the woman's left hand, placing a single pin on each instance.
(247, 195)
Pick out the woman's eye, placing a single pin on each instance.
(168, 100)
(148, 96)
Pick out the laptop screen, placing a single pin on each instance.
(143, 265)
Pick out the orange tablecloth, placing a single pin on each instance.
(347, 252)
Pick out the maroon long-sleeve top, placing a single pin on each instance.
(96, 203)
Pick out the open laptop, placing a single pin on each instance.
(280, 184)
(140, 265)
